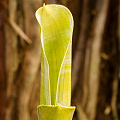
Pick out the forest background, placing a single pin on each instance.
(95, 59)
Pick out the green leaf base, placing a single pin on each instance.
(47, 112)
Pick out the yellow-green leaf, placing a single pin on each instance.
(55, 112)
(56, 23)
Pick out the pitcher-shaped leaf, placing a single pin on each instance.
(56, 24)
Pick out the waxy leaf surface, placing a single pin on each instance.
(56, 24)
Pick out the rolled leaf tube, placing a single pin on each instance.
(56, 28)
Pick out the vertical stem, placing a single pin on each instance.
(114, 96)
(117, 72)
(2, 64)
(95, 60)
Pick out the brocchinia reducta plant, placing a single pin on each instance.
(56, 28)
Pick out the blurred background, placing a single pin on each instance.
(95, 60)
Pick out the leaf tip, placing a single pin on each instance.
(43, 4)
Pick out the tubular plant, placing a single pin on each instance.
(56, 28)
